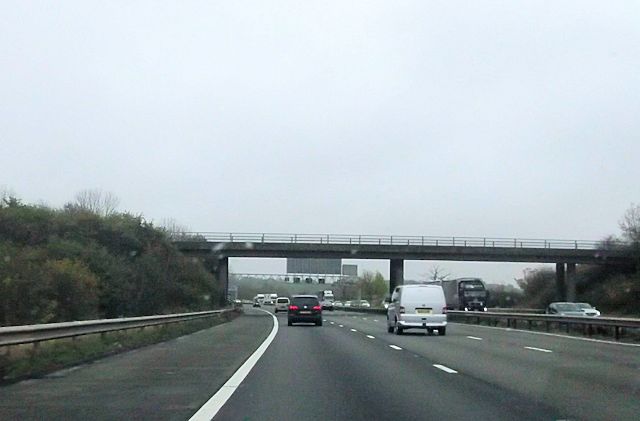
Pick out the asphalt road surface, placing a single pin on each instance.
(350, 368)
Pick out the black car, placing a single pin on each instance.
(305, 309)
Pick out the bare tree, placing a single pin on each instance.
(437, 273)
(630, 223)
(8, 197)
(174, 229)
(97, 201)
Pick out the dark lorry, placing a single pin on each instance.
(465, 294)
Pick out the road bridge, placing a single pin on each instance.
(565, 254)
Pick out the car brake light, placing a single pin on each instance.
(319, 308)
(293, 308)
(401, 310)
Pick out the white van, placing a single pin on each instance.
(282, 304)
(417, 307)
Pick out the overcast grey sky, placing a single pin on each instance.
(478, 118)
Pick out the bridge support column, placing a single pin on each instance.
(396, 273)
(221, 273)
(571, 282)
(561, 288)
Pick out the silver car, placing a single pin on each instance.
(588, 309)
(565, 309)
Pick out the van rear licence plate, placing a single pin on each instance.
(424, 311)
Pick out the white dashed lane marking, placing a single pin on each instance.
(371, 337)
(332, 323)
(397, 348)
(533, 348)
(445, 369)
(353, 330)
(341, 325)
(474, 337)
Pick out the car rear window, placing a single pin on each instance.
(283, 300)
(301, 301)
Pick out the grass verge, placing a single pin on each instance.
(19, 362)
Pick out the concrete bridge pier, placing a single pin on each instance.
(561, 287)
(221, 273)
(571, 282)
(396, 273)
(566, 282)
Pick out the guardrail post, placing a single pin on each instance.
(423, 240)
(453, 240)
(515, 242)
(359, 239)
(295, 238)
(617, 328)
(576, 243)
(484, 242)
(327, 238)
(263, 238)
(391, 240)
(230, 238)
(436, 242)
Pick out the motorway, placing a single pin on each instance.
(350, 368)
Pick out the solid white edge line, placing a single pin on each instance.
(217, 401)
(533, 348)
(445, 369)
(395, 347)
(474, 337)
(602, 341)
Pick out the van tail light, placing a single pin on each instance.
(401, 310)
(293, 308)
(319, 308)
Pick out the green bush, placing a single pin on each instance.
(72, 264)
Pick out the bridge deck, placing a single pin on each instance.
(408, 248)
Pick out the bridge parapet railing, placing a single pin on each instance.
(395, 240)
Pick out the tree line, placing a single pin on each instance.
(86, 260)
(613, 289)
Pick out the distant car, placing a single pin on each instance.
(282, 304)
(338, 304)
(304, 308)
(565, 309)
(588, 309)
(256, 303)
(363, 304)
(347, 304)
